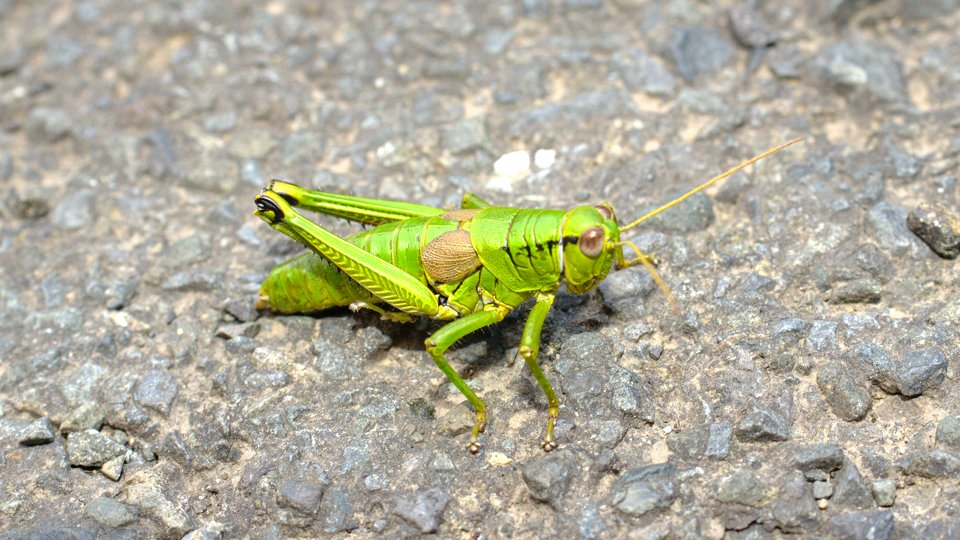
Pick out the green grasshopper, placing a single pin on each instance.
(470, 266)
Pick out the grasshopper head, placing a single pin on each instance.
(591, 240)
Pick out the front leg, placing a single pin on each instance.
(529, 348)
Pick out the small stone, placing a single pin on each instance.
(74, 211)
(12, 59)
(886, 223)
(466, 136)
(741, 487)
(110, 513)
(823, 457)
(921, 370)
(935, 463)
(688, 444)
(872, 524)
(795, 508)
(624, 290)
(548, 476)
(40, 431)
(641, 72)
(718, 440)
(865, 73)
(699, 50)
(49, 125)
(937, 227)
(119, 293)
(243, 310)
(302, 147)
(948, 431)
(193, 281)
(857, 291)
(645, 489)
(221, 123)
(749, 28)
(761, 424)
(822, 336)
(848, 399)
(884, 492)
(157, 390)
(337, 511)
(90, 415)
(113, 469)
(92, 449)
(143, 490)
(231, 331)
(879, 368)
(301, 495)
(851, 491)
(822, 489)
(514, 164)
(424, 510)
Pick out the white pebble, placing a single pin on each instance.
(545, 158)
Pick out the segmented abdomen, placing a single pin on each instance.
(308, 283)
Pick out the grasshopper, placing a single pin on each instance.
(471, 266)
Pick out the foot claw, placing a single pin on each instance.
(474, 447)
(548, 446)
(483, 428)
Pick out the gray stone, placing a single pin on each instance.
(621, 291)
(948, 431)
(144, 491)
(884, 491)
(824, 457)
(49, 125)
(157, 390)
(12, 58)
(548, 477)
(186, 252)
(110, 513)
(113, 469)
(879, 368)
(857, 291)
(847, 398)
(92, 449)
(688, 444)
(795, 509)
(718, 440)
(337, 511)
(741, 487)
(697, 215)
(822, 336)
(886, 224)
(645, 489)
(855, 324)
(301, 495)
(424, 510)
(466, 136)
(630, 396)
(850, 490)
(872, 524)
(792, 330)
(822, 489)
(699, 50)
(38, 432)
(302, 147)
(937, 227)
(80, 385)
(934, 463)
(865, 73)
(193, 281)
(90, 415)
(760, 424)
(119, 293)
(749, 28)
(921, 370)
(641, 72)
(6, 166)
(74, 211)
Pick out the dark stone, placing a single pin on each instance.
(749, 28)
(75, 210)
(622, 291)
(865, 73)
(87, 416)
(193, 281)
(850, 491)
(337, 511)
(872, 524)
(110, 513)
(301, 495)
(822, 336)
(741, 487)
(857, 291)
(878, 367)
(761, 424)
(948, 431)
(886, 223)
(548, 477)
(642, 490)
(795, 509)
(424, 510)
(641, 72)
(466, 136)
(934, 463)
(688, 444)
(40, 431)
(938, 227)
(824, 457)
(847, 398)
(718, 440)
(157, 390)
(921, 370)
(698, 50)
(92, 449)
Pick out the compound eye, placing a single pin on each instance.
(591, 242)
(604, 211)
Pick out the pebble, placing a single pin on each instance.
(760, 424)
(641, 72)
(74, 211)
(90, 415)
(742, 487)
(865, 73)
(113, 469)
(822, 489)
(948, 431)
(879, 368)
(110, 513)
(795, 509)
(622, 291)
(40, 431)
(822, 336)
(886, 224)
(639, 491)
(49, 125)
(144, 491)
(301, 147)
(157, 390)
(336, 507)
(932, 463)
(884, 492)
(823, 457)
(12, 59)
(424, 510)
(193, 281)
(938, 227)
(465, 136)
(118, 293)
(921, 370)
(548, 477)
(91, 448)
(749, 27)
(872, 524)
(301, 495)
(718, 441)
(840, 388)
(514, 164)
(850, 491)
(698, 50)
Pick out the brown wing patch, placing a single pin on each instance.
(461, 215)
(450, 257)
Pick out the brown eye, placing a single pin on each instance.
(604, 211)
(591, 242)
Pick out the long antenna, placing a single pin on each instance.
(709, 183)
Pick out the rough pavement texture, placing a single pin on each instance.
(808, 384)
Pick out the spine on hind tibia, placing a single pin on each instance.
(308, 283)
